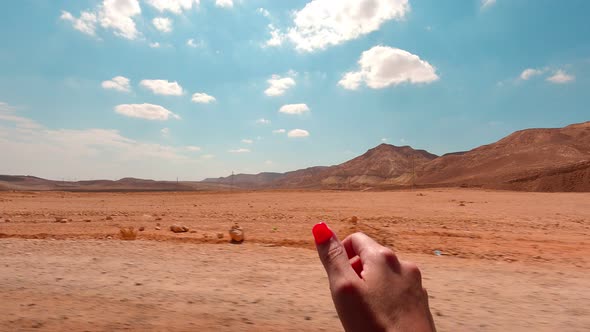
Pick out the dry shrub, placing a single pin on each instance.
(128, 233)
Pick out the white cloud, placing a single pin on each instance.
(263, 12)
(163, 87)
(163, 24)
(383, 66)
(487, 3)
(351, 80)
(530, 73)
(240, 150)
(165, 132)
(279, 131)
(202, 98)
(155, 45)
(118, 15)
(207, 156)
(278, 85)
(85, 24)
(561, 77)
(247, 141)
(145, 111)
(268, 162)
(8, 114)
(31, 148)
(384, 140)
(294, 109)
(263, 121)
(194, 44)
(173, 6)
(297, 133)
(193, 148)
(118, 83)
(110, 14)
(276, 37)
(224, 3)
(323, 23)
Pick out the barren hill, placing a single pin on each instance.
(521, 155)
(21, 182)
(383, 165)
(246, 180)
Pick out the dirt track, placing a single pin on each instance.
(510, 261)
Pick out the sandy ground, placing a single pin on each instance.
(510, 261)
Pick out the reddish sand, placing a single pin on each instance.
(510, 261)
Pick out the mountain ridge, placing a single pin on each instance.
(538, 159)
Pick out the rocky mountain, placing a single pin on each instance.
(383, 165)
(521, 155)
(544, 159)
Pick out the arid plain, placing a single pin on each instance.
(505, 261)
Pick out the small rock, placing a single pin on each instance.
(138, 284)
(236, 233)
(61, 220)
(158, 228)
(462, 204)
(141, 229)
(109, 218)
(87, 220)
(354, 220)
(307, 318)
(178, 228)
(220, 235)
(158, 219)
(193, 232)
(7, 220)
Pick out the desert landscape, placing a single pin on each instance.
(491, 260)
(164, 162)
(136, 254)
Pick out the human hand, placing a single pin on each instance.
(372, 290)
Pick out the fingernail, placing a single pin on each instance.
(321, 233)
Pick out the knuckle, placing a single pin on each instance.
(345, 288)
(356, 235)
(387, 254)
(413, 271)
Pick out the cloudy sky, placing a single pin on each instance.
(191, 89)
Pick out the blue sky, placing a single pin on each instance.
(192, 89)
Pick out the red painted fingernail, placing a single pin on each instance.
(321, 233)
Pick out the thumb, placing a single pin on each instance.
(332, 254)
